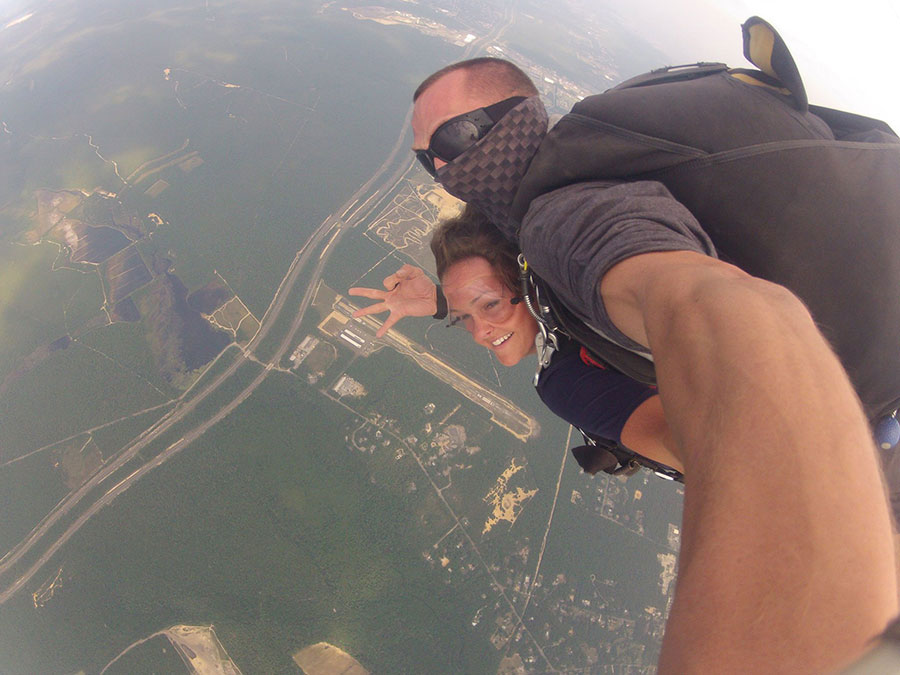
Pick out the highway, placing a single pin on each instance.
(360, 204)
(346, 217)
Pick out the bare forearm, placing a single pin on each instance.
(740, 357)
(789, 529)
(786, 562)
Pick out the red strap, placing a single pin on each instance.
(590, 360)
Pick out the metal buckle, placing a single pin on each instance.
(546, 345)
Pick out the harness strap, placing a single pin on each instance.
(601, 454)
(589, 360)
(597, 454)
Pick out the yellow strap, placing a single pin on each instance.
(749, 79)
(762, 43)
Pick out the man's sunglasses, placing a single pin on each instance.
(460, 133)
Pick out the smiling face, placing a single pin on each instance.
(478, 298)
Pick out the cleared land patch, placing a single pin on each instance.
(326, 659)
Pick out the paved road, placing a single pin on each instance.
(346, 217)
(350, 214)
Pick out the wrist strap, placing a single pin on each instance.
(441, 312)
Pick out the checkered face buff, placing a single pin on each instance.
(488, 174)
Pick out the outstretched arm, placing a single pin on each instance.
(787, 561)
(408, 292)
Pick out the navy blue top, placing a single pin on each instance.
(596, 400)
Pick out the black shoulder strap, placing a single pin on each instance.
(603, 350)
(690, 71)
(598, 453)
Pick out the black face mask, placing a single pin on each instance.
(460, 133)
(488, 174)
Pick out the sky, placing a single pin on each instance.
(846, 51)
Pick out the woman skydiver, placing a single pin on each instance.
(479, 274)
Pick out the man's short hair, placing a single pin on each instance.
(486, 75)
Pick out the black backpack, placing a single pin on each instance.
(821, 215)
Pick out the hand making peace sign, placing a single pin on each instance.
(409, 292)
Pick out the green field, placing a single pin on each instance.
(297, 518)
(295, 542)
(37, 410)
(38, 305)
